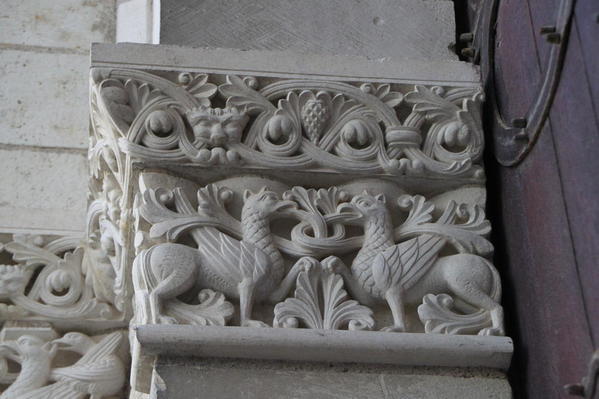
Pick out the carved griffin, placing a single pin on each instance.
(404, 273)
(251, 269)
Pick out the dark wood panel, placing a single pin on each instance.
(576, 136)
(546, 210)
(586, 29)
(516, 64)
(542, 13)
(552, 337)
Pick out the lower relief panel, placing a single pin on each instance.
(368, 254)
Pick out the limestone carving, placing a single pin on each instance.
(292, 124)
(320, 219)
(321, 302)
(50, 280)
(406, 272)
(191, 260)
(250, 269)
(98, 373)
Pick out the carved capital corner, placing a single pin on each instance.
(288, 202)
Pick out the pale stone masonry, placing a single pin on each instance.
(44, 54)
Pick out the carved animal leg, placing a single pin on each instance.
(394, 297)
(166, 289)
(246, 301)
(497, 320)
(304, 264)
(472, 294)
(335, 265)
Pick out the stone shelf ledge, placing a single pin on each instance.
(283, 64)
(405, 349)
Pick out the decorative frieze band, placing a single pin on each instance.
(289, 124)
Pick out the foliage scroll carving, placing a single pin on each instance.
(292, 124)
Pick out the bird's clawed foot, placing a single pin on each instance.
(304, 264)
(492, 331)
(161, 319)
(254, 323)
(334, 265)
(394, 328)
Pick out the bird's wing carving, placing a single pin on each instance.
(107, 346)
(89, 376)
(60, 390)
(405, 263)
(231, 259)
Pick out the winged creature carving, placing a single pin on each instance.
(97, 374)
(35, 357)
(404, 273)
(251, 269)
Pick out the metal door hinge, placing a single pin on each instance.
(514, 139)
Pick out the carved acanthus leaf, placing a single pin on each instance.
(439, 316)
(198, 86)
(321, 302)
(212, 310)
(464, 226)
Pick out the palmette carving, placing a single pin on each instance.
(440, 315)
(98, 373)
(321, 302)
(292, 124)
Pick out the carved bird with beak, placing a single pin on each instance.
(251, 269)
(99, 372)
(35, 357)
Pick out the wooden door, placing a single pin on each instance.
(545, 210)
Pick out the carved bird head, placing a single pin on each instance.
(265, 203)
(74, 341)
(368, 205)
(28, 347)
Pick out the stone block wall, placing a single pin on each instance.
(44, 58)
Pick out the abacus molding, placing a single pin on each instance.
(407, 349)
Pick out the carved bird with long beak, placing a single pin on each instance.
(99, 373)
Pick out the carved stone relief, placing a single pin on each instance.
(59, 279)
(258, 201)
(36, 363)
(286, 124)
(432, 252)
